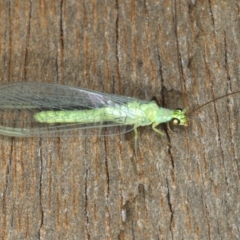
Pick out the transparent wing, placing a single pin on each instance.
(19, 102)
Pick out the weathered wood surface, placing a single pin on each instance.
(183, 185)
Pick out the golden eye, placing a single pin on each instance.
(175, 121)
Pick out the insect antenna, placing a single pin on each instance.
(213, 100)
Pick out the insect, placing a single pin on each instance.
(29, 109)
(42, 109)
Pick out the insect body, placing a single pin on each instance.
(29, 109)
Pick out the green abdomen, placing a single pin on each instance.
(80, 116)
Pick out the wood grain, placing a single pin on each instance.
(182, 185)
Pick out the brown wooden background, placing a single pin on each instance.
(183, 185)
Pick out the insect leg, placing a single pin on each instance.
(156, 130)
(135, 139)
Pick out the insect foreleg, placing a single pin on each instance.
(155, 129)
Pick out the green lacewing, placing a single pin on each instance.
(42, 109)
